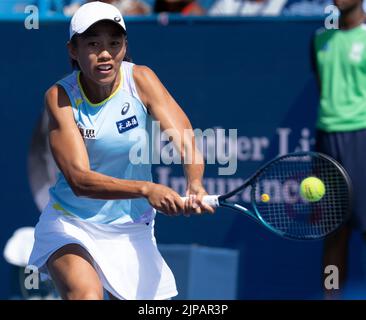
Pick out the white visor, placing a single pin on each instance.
(92, 12)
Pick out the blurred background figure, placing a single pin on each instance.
(127, 7)
(269, 7)
(339, 57)
(306, 7)
(15, 6)
(184, 7)
(71, 8)
(247, 7)
(42, 169)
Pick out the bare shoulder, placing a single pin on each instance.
(147, 83)
(140, 71)
(58, 106)
(144, 76)
(57, 96)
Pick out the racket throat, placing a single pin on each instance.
(241, 209)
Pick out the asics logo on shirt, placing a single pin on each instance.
(125, 108)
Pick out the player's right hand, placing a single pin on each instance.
(164, 199)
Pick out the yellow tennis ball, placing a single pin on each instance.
(312, 189)
(265, 197)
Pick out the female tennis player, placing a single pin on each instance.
(97, 231)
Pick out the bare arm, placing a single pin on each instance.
(71, 157)
(165, 109)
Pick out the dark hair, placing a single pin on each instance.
(75, 64)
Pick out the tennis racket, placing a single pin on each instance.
(276, 201)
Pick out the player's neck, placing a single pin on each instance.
(96, 93)
(351, 19)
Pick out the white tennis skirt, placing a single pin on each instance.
(126, 257)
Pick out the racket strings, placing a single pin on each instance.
(289, 213)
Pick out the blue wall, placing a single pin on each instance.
(253, 75)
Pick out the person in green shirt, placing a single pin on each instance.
(339, 57)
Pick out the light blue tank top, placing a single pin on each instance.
(109, 131)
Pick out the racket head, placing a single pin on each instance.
(286, 212)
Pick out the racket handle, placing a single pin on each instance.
(212, 200)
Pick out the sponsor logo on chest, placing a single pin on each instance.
(127, 124)
(125, 108)
(86, 133)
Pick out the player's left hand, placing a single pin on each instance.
(194, 204)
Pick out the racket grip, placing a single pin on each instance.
(211, 200)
